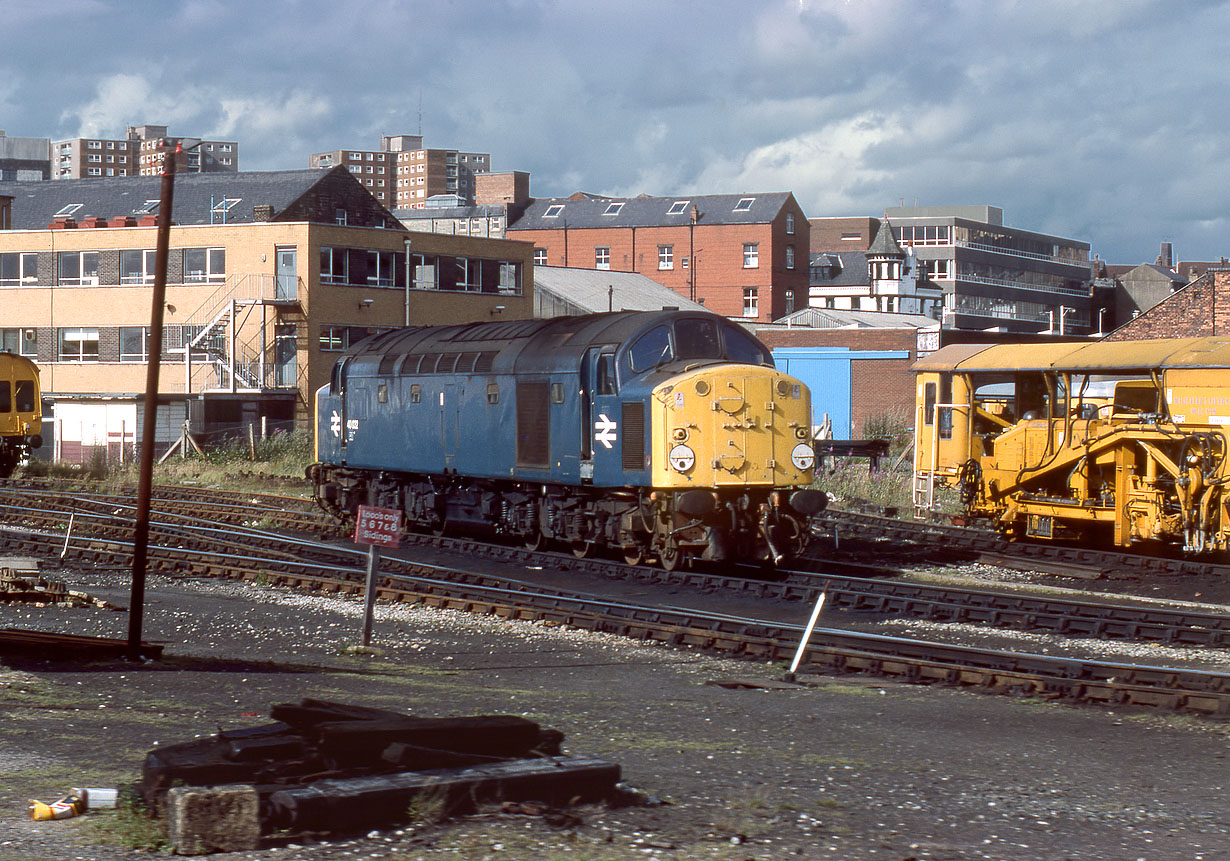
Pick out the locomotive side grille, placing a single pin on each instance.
(465, 364)
(633, 421)
(447, 363)
(387, 361)
(533, 423)
(486, 361)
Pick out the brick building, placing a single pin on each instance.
(1199, 309)
(403, 174)
(139, 153)
(257, 307)
(739, 255)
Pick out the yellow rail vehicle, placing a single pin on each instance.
(1125, 441)
(21, 412)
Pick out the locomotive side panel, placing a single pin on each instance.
(21, 411)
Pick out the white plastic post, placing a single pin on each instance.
(811, 626)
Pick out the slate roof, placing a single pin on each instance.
(885, 244)
(36, 203)
(838, 269)
(588, 290)
(583, 211)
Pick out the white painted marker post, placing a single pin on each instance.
(375, 527)
(811, 626)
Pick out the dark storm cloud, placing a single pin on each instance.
(1096, 120)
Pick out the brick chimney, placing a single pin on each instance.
(262, 212)
(122, 221)
(63, 223)
(93, 221)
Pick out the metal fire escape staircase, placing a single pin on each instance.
(227, 349)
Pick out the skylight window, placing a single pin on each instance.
(678, 207)
(553, 210)
(150, 208)
(745, 204)
(225, 204)
(68, 210)
(614, 208)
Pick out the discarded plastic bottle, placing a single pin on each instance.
(66, 808)
(96, 798)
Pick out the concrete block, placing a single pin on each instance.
(204, 819)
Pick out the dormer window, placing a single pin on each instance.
(553, 210)
(744, 204)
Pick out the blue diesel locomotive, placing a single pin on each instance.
(664, 434)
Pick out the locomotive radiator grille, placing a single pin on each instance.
(633, 421)
(533, 424)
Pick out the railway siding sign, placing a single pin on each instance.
(378, 526)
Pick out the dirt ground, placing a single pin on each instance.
(843, 768)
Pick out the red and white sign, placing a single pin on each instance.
(379, 526)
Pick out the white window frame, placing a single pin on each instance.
(789, 256)
(666, 257)
(80, 336)
(613, 208)
(751, 255)
(602, 257)
(790, 223)
(554, 210)
(214, 271)
(24, 338)
(145, 275)
(751, 301)
(86, 266)
(27, 269)
(744, 204)
(540, 257)
(129, 331)
(679, 207)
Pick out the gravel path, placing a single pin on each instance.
(844, 768)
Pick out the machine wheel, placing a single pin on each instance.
(533, 540)
(582, 549)
(634, 554)
(669, 556)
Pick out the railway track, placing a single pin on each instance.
(186, 550)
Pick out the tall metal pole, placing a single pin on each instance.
(140, 538)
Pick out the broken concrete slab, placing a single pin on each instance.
(205, 819)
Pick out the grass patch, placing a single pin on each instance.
(129, 825)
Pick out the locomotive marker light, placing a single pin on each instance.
(682, 458)
(375, 527)
(803, 457)
(605, 428)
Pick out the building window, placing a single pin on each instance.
(137, 266)
(381, 269)
(751, 302)
(851, 237)
(751, 255)
(24, 342)
(678, 207)
(94, 171)
(790, 223)
(204, 265)
(540, 257)
(935, 269)
(613, 209)
(79, 268)
(602, 257)
(744, 204)
(18, 268)
(333, 339)
(554, 210)
(666, 257)
(339, 216)
(134, 343)
(790, 302)
(68, 211)
(223, 206)
(333, 269)
(78, 345)
(789, 256)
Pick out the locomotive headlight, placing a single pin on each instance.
(679, 434)
(802, 456)
(800, 433)
(682, 458)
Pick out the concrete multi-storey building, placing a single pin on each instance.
(998, 277)
(740, 255)
(24, 159)
(499, 198)
(885, 277)
(139, 153)
(258, 304)
(404, 174)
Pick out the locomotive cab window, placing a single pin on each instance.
(650, 350)
(697, 339)
(6, 397)
(337, 381)
(25, 396)
(744, 349)
(606, 374)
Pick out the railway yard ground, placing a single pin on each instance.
(845, 767)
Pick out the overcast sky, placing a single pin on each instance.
(1101, 120)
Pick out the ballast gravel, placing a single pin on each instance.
(843, 767)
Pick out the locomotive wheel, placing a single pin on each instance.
(582, 549)
(533, 540)
(440, 528)
(634, 554)
(670, 557)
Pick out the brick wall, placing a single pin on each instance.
(1201, 308)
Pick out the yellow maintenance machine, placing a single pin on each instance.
(1123, 441)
